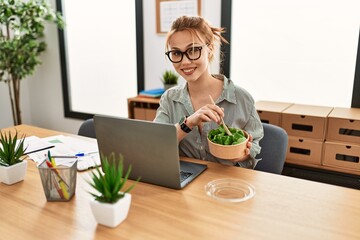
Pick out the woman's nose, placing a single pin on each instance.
(186, 60)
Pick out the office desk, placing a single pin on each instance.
(283, 208)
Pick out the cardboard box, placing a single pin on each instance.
(304, 150)
(344, 125)
(305, 121)
(342, 155)
(270, 112)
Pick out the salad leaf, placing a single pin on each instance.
(219, 136)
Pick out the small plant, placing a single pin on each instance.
(110, 183)
(219, 136)
(11, 150)
(170, 77)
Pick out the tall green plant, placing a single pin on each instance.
(22, 25)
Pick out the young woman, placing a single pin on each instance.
(190, 46)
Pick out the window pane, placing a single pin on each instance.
(101, 55)
(301, 51)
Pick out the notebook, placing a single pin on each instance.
(151, 148)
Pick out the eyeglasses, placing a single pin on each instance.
(176, 56)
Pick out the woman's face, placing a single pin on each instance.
(190, 70)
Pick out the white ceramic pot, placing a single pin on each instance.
(14, 173)
(167, 86)
(111, 215)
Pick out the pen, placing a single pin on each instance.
(75, 156)
(64, 156)
(52, 160)
(61, 182)
(48, 163)
(57, 186)
(81, 154)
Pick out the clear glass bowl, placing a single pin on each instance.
(230, 190)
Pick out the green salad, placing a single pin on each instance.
(219, 136)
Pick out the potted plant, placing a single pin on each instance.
(111, 207)
(169, 79)
(22, 25)
(224, 146)
(12, 167)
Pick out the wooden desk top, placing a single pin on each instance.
(283, 208)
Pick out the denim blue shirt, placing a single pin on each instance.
(240, 112)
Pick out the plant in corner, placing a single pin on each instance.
(22, 25)
(12, 167)
(111, 207)
(169, 79)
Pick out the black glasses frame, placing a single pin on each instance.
(184, 53)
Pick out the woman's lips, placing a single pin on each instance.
(188, 71)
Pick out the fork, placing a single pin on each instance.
(222, 120)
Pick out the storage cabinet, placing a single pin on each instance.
(319, 137)
(142, 108)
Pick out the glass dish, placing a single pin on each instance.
(230, 190)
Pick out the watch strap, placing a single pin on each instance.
(183, 125)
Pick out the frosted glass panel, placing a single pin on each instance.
(301, 51)
(101, 55)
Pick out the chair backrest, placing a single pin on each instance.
(87, 128)
(273, 149)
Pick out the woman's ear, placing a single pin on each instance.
(211, 51)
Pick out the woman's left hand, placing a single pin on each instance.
(247, 151)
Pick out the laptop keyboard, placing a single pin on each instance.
(184, 175)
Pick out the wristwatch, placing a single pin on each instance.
(183, 125)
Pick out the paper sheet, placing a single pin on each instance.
(70, 146)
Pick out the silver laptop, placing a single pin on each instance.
(151, 148)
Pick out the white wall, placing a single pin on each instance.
(6, 119)
(42, 102)
(5, 110)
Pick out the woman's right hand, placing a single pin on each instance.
(207, 113)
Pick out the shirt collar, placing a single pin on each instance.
(228, 92)
(181, 93)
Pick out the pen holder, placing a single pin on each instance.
(59, 183)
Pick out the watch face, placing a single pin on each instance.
(182, 120)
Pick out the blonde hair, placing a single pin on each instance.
(199, 27)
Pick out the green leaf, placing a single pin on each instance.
(170, 77)
(219, 136)
(22, 31)
(11, 148)
(111, 182)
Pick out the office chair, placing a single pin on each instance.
(87, 128)
(273, 149)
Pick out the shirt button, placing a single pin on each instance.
(201, 147)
